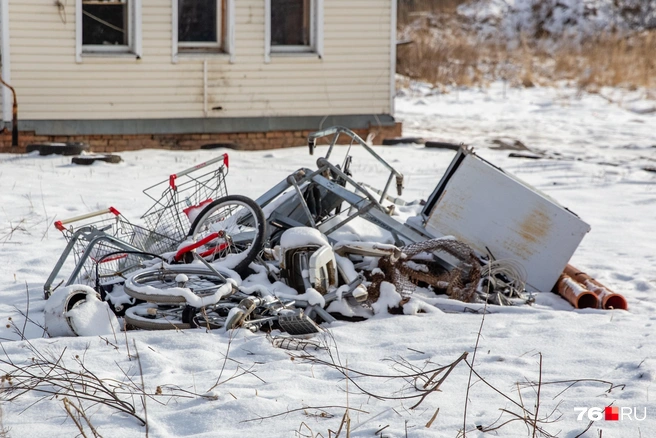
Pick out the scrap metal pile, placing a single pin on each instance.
(204, 258)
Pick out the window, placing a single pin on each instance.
(108, 26)
(105, 23)
(202, 26)
(294, 26)
(290, 24)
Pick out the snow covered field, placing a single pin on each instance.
(596, 147)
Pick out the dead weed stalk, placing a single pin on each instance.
(423, 382)
(53, 378)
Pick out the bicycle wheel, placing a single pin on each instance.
(149, 316)
(176, 284)
(239, 225)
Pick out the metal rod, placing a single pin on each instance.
(323, 163)
(384, 194)
(87, 252)
(208, 265)
(339, 129)
(349, 218)
(332, 144)
(293, 182)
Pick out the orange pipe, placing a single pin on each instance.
(14, 111)
(609, 299)
(575, 293)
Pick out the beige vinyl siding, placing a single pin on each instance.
(4, 93)
(353, 77)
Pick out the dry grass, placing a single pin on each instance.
(610, 60)
(408, 10)
(440, 61)
(443, 52)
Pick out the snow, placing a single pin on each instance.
(87, 317)
(93, 318)
(389, 298)
(302, 236)
(595, 150)
(572, 19)
(311, 295)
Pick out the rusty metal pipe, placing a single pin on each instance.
(14, 112)
(608, 298)
(575, 293)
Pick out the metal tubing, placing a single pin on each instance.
(87, 252)
(327, 317)
(47, 291)
(209, 266)
(340, 129)
(323, 163)
(384, 194)
(354, 136)
(349, 219)
(271, 194)
(174, 176)
(301, 199)
(93, 236)
(59, 224)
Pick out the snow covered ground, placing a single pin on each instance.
(597, 149)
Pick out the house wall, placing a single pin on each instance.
(5, 101)
(353, 77)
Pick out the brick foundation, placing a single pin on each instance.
(240, 141)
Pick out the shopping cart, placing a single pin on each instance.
(180, 198)
(105, 246)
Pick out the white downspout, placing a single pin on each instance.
(393, 57)
(174, 32)
(267, 31)
(205, 111)
(6, 65)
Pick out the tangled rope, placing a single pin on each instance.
(418, 265)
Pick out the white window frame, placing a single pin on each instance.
(316, 34)
(228, 34)
(134, 46)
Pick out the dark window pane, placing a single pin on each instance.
(104, 23)
(290, 23)
(197, 21)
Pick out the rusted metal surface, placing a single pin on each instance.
(534, 229)
(14, 113)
